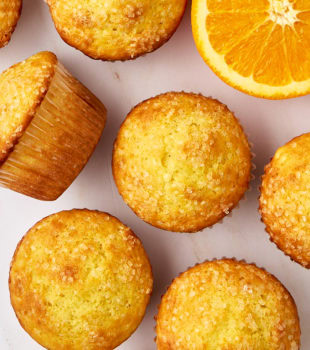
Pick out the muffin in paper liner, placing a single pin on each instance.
(181, 161)
(10, 11)
(80, 279)
(50, 125)
(284, 199)
(227, 303)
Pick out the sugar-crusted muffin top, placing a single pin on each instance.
(227, 304)
(9, 15)
(116, 29)
(285, 199)
(23, 87)
(80, 279)
(181, 161)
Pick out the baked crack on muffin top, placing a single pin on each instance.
(80, 280)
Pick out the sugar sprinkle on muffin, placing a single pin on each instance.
(285, 199)
(116, 29)
(49, 127)
(181, 161)
(9, 14)
(80, 280)
(226, 304)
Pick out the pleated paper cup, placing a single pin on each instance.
(50, 125)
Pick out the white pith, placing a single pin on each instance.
(282, 12)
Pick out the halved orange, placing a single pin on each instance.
(261, 47)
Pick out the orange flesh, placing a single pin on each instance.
(267, 40)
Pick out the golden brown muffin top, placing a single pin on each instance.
(181, 161)
(23, 87)
(9, 14)
(226, 304)
(80, 280)
(116, 29)
(285, 199)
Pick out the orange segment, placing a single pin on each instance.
(240, 58)
(304, 16)
(302, 5)
(261, 47)
(303, 32)
(241, 5)
(272, 67)
(299, 53)
(234, 25)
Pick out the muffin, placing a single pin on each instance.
(285, 199)
(227, 304)
(80, 280)
(49, 126)
(181, 161)
(116, 29)
(9, 14)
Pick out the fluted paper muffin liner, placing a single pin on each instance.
(58, 142)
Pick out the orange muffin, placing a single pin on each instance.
(9, 14)
(285, 199)
(116, 29)
(49, 126)
(80, 280)
(181, 161)
(226, 304)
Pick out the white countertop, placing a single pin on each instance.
(175, 66)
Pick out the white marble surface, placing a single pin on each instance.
(176, 66)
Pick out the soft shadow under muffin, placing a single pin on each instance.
(80, 280)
